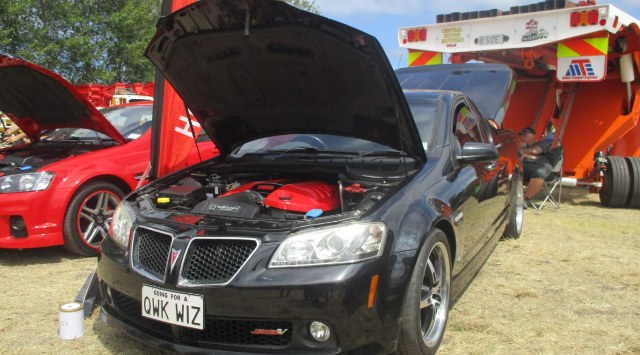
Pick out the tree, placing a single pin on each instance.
(305, 4)
(86, 41)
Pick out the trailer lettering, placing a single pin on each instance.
(452, 35)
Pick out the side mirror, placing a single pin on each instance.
(477, 152)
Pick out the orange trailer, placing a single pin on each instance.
(102, 95)
(576, 79)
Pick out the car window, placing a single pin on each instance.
(130, 121)
(468, 125)
(487, 88)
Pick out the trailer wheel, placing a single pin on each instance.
(634, 192)
(615, 188)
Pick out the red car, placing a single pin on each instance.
(63, 187)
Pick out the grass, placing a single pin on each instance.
(569, 285)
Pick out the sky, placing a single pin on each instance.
(382, 18)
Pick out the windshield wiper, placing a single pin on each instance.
(293, 150)
(384, 153)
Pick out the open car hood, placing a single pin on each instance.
(37, 100)
(257, 68)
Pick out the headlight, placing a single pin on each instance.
(26, 182)
(337, 245)
(121, 223)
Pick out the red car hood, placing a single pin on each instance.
(37, 100)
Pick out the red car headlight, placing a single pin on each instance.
(26, 182)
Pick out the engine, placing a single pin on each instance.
(279, 198)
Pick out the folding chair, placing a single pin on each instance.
(554, 180)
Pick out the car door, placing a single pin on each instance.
(477, 180)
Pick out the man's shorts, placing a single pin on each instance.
(536, 169)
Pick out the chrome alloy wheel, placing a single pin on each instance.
(519, 207)
(95, 213)
(434, 295)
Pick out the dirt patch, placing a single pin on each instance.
(570, 284)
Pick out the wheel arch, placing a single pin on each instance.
(72, 236)
(446, 227)
(112, 179)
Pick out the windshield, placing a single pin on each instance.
(130, 121)
(487, 88)
(320, 143)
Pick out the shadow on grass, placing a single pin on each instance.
(23, 257)
(574, 196)
(115, 341)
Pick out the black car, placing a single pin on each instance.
(343, 215)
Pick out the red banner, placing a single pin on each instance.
(172, 137)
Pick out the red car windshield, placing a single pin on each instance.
(130, 121)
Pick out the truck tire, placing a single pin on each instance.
(615, 188)
(634, 191)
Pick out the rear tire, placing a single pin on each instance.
(427, 301)
(634, 191)
(516, 212)
(86, 221)
(615, 188)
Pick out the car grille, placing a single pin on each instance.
(215, 261)
(219, 331)
(207, 261)
(151, 252)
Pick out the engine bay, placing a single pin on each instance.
(269, 197)
(37, 155)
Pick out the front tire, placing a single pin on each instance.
(86, 221)
(427, 302)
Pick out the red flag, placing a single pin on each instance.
(172, 138)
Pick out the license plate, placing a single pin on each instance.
(177, 308)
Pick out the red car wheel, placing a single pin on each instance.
(86, 222)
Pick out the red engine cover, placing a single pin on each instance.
(297, 197)
(305, 196)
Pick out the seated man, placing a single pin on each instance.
(536, 166)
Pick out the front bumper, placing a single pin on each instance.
(263, 298)
(42, 213)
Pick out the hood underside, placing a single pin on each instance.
(285, 71)
(37, 100)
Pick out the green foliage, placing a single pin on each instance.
(86, 41)
(99, 41)
(305, 4)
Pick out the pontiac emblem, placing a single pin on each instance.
(174, 256)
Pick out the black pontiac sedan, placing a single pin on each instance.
(343, 215)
